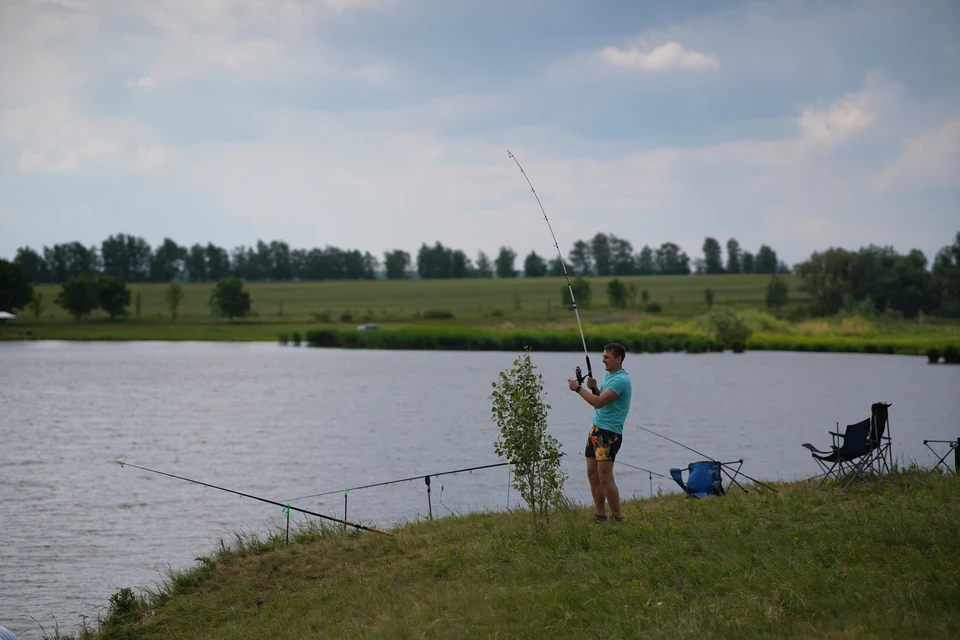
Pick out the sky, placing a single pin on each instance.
(383, 124)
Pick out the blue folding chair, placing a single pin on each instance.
(705, 478)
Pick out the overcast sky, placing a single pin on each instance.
(381, 124)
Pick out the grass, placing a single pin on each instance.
(489, 314)
(879, 560)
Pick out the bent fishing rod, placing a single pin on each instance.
(247, 495)
(573, 299)
(660, 435)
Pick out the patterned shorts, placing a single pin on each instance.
(602, 444)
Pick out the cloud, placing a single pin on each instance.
(341, 6)
(932, 158)
(666, 57)
(146, 82)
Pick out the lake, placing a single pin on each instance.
(281, 422)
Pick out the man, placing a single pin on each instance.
(606, 432)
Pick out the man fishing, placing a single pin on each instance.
(606, 432)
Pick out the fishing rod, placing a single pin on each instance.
(389, 482)
(247, 495)
(708, 458)
(573, 299)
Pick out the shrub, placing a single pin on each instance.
(951, 355)
(725, 325)
(346, 317)
(437, 314)
(933, 355)
(617, 293)
(654, 307)
(321, 316)
(297, 338)
(581, 290)
(739, 346)
(284, 338)
(520, 413)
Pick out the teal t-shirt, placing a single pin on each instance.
(612, 416)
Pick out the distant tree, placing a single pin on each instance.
(196, 264)
(645, 264)
(766, 260)
(534, 266)
(621, 257)
(460, 266)
(65, 261)
(915, 291)
(168, 261)
(218, 262)
(777, 292)
(827, 276)
(434, 262)
(733, 256)
(946, 278)
(78, 296)
(581, 291)
(600, 251)
(173, 296)
(127, 257)
(580, 260)
(32, 264)
(113, 295)
(281, 264)
(484, 266)
(670, 260)
(229, 299)
(712, 259)
(617, 294)
(397, 262)
(708, 297)
(783, 268)
(36, 306)
(645, 296)
(358, 266)
(15, 288)
(504, 263)
(746, 262)
(298, 263)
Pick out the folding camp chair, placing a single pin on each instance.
(846, 458)
(880, 457)
(954, 449)
(705, 478)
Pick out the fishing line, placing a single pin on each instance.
(247, 495)
(573, 299)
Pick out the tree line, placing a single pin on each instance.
(880, 280)
(134, 260)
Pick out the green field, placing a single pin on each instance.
(486, 314)
(872, 561)
(680, 296)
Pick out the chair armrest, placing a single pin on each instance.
(834, 433)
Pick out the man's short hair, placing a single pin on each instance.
(617, 350)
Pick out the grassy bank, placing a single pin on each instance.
(881, 560)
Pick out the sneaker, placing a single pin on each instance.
(617, 518)
(599, 517)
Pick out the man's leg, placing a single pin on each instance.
(596, 488)
(608, 487)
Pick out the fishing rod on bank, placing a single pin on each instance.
(288, 507)
(573, 299)
(660, 435)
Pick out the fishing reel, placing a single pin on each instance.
(581, 380)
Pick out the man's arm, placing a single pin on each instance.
(596, 402)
